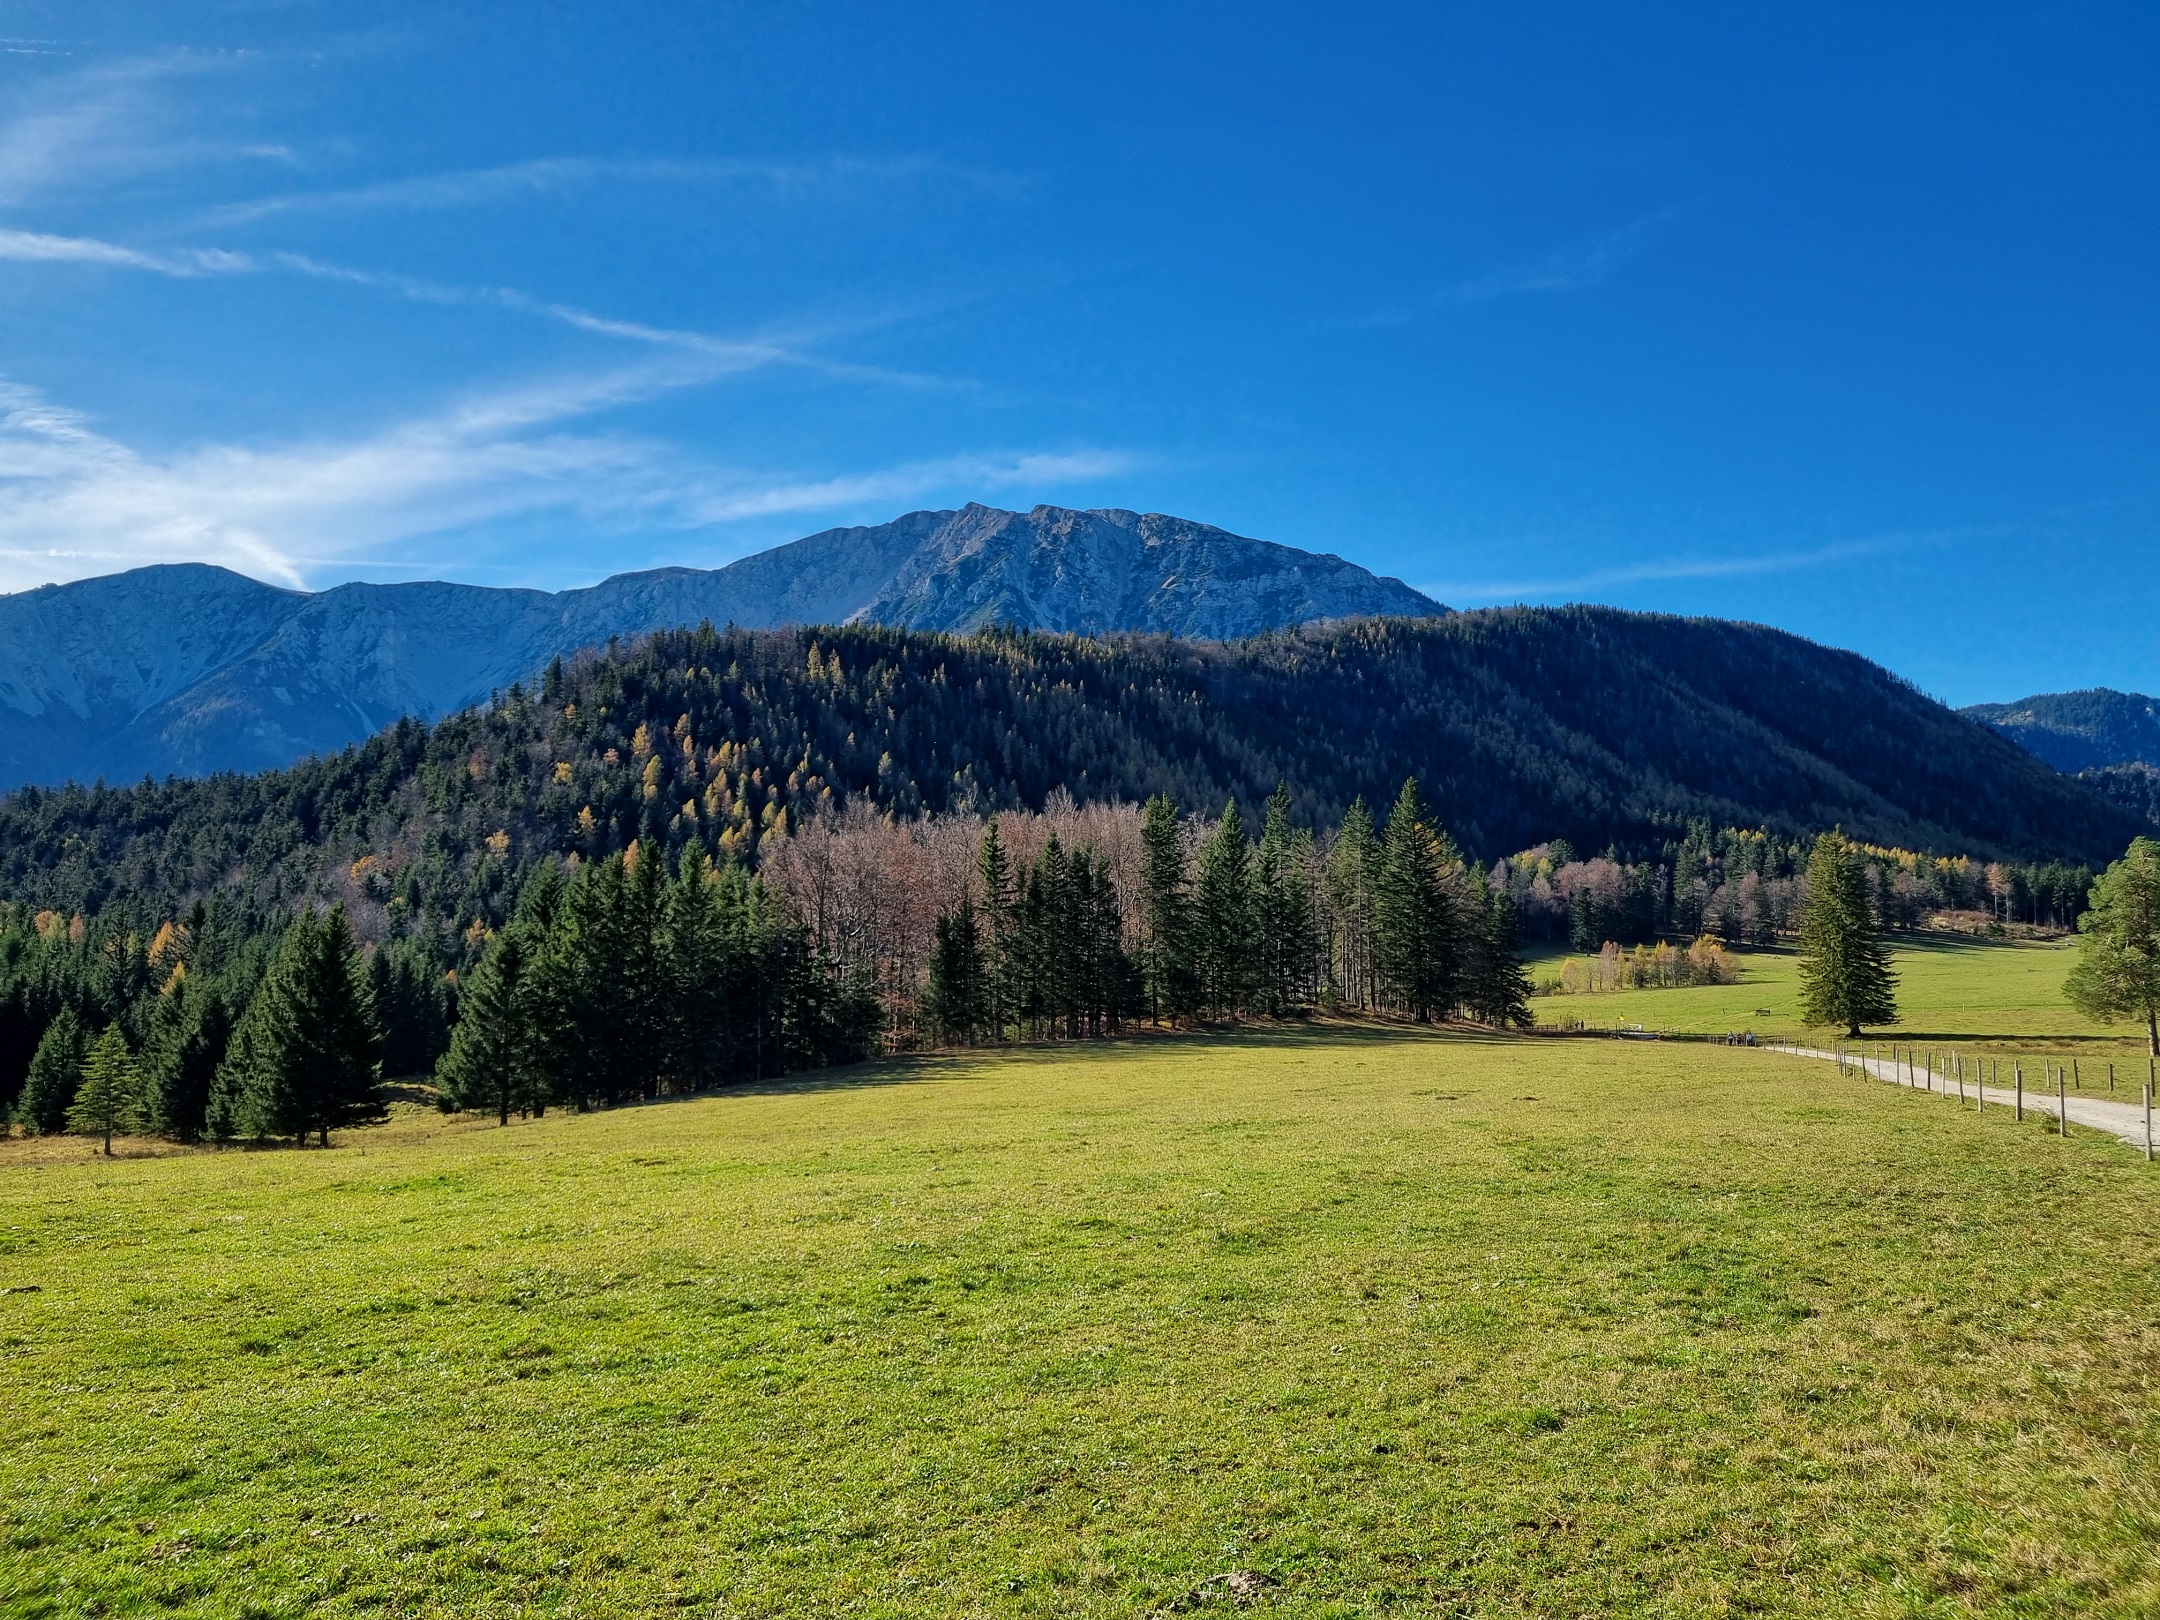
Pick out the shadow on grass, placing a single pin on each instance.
(958, 1063)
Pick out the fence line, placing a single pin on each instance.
(1934, 1071)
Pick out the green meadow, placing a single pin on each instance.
(1387, 1321)
(1997, 995)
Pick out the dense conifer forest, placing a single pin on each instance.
(713, 856)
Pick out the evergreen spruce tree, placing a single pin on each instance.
(1845, 975)
(1283, 908)
(1417, 934)
(1223, 923)
(1047, 929)
(2117, 973)
(109, 1100)
(1166, 909)
(993, 868)
(1498, 988)
(1352, 868)
(649, 1012)
(411, 1004)
(1691, 879)
(493, 1058)
(693, 962)
(305, 1057)
(55, 1071)
(190, 1028)
(953, 1005)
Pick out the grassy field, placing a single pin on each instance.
(2001, 996)
(1400, 1323)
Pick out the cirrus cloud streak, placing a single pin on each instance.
(74, 502)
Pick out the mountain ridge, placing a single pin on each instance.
(185, 669)
(2096, 728)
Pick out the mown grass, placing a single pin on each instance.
(1404, 1323)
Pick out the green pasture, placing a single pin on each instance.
(1396, 1322)
(2000, 995)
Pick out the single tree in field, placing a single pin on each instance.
(1845, 974)
(2117, 974)
(55, 1071)
(110, 1097)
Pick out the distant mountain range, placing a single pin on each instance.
(2079, 731)
(188, 669)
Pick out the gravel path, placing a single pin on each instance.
(2129, 1122)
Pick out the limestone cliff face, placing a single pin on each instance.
(191, 669)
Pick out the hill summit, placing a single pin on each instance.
(188, 669)
(2079, 731)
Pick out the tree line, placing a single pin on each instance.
(612, 982)
(1226, 925)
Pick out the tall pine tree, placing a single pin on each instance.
(1166, 913)
(954, 1004)
(1352, 870)
(494, 1061)
(1283, 908)
(1224, 946)
(993, 869)
(306, 1056)
(55, 1071)
(1845, 975)
(190, 1028)
(109, 1102)
(1417, 936)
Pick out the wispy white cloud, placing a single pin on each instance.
(515, 182)
(190, 263)
(74, 502)
(1039, 470)
(38, 247)
(109, 122)
(1584, 265)
(1471, 593)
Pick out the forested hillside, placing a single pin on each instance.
(1586, 724)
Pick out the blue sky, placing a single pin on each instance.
(1846, 319)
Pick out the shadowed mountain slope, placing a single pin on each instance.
(2079, 731)
(1524, 724)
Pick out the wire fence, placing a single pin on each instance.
(2052, 1087)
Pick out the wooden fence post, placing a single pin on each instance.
(2017, 1073)
(2062, 1106)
